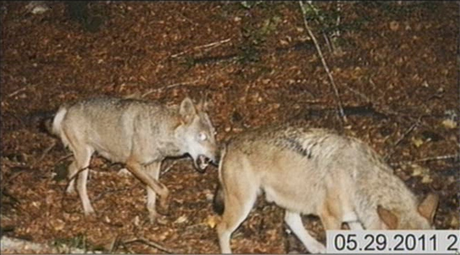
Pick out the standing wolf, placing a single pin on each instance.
(138, 133)
(314, 171)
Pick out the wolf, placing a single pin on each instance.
(137, 133)
(314, 171)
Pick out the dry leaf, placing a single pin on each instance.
(181, 219)
(450, 124)
(212, 221)
(427, 179)
(418, 170)
(417, 142)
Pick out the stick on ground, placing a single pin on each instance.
(408, 131)
(153, 244)
(209, 45)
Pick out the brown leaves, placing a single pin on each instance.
(399, 63)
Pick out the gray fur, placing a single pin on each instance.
(135, 132)
(313, 171)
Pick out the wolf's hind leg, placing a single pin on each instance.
(330, 216)
(82, 159)
(294, 221)
(72, 170)
(238, 204)
(352, 220)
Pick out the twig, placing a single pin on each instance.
(437, 158)
(75, 175)
(153, 244)
(168, 168)
(209, 45)
(329, 75)
(171, 86)
(64, 157)
(45, 152)
(127, 248)
(444, 157)
(114, 244)
(408, 131)
(358, 93)
(328, 43)
(17, 91)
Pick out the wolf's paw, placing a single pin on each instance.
(155, 218)
(70, 189)
(89, 210)
(163, 208)
(164, 204)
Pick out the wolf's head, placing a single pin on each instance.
(197, 134)
(419, 218)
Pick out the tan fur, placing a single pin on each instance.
(135, 132)
(313, 171)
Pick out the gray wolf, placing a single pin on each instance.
(137, 133)
(314, 171)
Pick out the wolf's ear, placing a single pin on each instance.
(187, 110)
(388, 218)
(428, 206)
(204, 104)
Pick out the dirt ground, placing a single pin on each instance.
(395, 66)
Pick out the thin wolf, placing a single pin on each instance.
(314, 171)
(138, 133)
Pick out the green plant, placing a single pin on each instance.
(255, 37)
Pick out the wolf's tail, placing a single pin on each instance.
(57, 121)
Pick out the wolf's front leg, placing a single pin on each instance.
(153, 170)
(137, 170)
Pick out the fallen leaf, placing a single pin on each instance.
(212, 221)
(417, 142)
(181, 219)
(427, 179)
(418, 170)
(450, 124)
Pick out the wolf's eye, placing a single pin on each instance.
(202, 136)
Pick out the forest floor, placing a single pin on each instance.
(395, 67)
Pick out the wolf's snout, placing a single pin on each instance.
(201, 162)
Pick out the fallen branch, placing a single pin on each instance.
(168, 168)
(209, 45)
(64, 157)
(45, 152)
(171, 86)
(152, 244)
(408, 131)
(114, 245)
(75, 175)
(17, 91)
(323, 61)
(437, 158)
